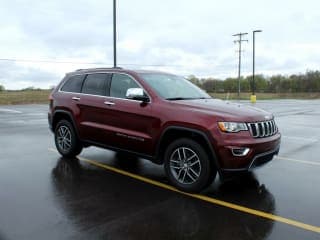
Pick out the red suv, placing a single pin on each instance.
(161, 117)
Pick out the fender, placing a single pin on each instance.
(71, 117)
(201, 133)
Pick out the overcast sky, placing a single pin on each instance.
(183, 37)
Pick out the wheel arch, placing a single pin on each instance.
(174, 132)
(66, 115)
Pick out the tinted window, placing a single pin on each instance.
(95, 84)
(73, 84)
(120, 84)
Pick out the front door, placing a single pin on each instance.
(131, 121)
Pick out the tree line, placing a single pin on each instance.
(307, 82)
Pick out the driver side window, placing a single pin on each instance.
(120, 83)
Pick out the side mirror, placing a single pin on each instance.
(137, 94)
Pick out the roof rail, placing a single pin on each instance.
(83, 69)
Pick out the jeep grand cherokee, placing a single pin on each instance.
(161, 117)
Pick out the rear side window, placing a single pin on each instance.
(96, 84)
(120, 84)
(73, 84)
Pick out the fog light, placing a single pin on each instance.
(240, 152)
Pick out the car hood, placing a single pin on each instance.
(225, 111)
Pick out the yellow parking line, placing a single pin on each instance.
(205, 198)
(298, 161)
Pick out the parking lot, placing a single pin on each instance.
(103, 195)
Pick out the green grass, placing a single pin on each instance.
(41, 96)
(24, 97)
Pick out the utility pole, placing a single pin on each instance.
(239, 65)
(253, 96)
(114, 34)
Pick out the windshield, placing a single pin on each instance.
(172, 87)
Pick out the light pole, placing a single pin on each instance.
(114, 34)
(253, 96)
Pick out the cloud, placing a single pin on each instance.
(183, 36)
(16, 76)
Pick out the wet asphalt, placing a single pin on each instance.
(43, 196)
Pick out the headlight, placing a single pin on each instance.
(232, 127)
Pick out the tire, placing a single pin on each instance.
(66, 140)
(188, 166)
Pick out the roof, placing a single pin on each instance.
(117, 69)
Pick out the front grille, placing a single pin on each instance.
(263, 129)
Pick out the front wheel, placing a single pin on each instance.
(66, 139)
(188, 166)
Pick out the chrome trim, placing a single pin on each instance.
(262, 129)
(275, 151)
(76, 98)
(109, 103)
(269, 128)
(245, 151)
(257, 129)
(273, 126)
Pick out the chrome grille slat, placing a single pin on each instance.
(269, 128)
(265, 127)
(262, 129)
(257, 129)
(266, 124)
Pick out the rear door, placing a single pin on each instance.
(94, 113)
(69, 96)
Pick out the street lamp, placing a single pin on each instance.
(253, 96)
(114, 34)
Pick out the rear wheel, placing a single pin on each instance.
(187, 165)
(66, 140)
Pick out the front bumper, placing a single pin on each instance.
(261, 151)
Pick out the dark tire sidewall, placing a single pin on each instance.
(206, 169)
(75, 148)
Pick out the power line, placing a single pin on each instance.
(101, 63)
(47, 61)
(239, 65)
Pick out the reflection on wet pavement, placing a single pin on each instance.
(104, 204)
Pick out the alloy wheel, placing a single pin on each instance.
(64, 138)
(185, 165)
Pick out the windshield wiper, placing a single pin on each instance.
(178, 98)
(184, 98)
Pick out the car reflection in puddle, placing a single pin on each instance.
(111, 206)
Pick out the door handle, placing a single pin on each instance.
(75, 98)
(109, 103)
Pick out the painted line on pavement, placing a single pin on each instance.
(204, 198)
(9, 110)
(301, 139)
(298, 161)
